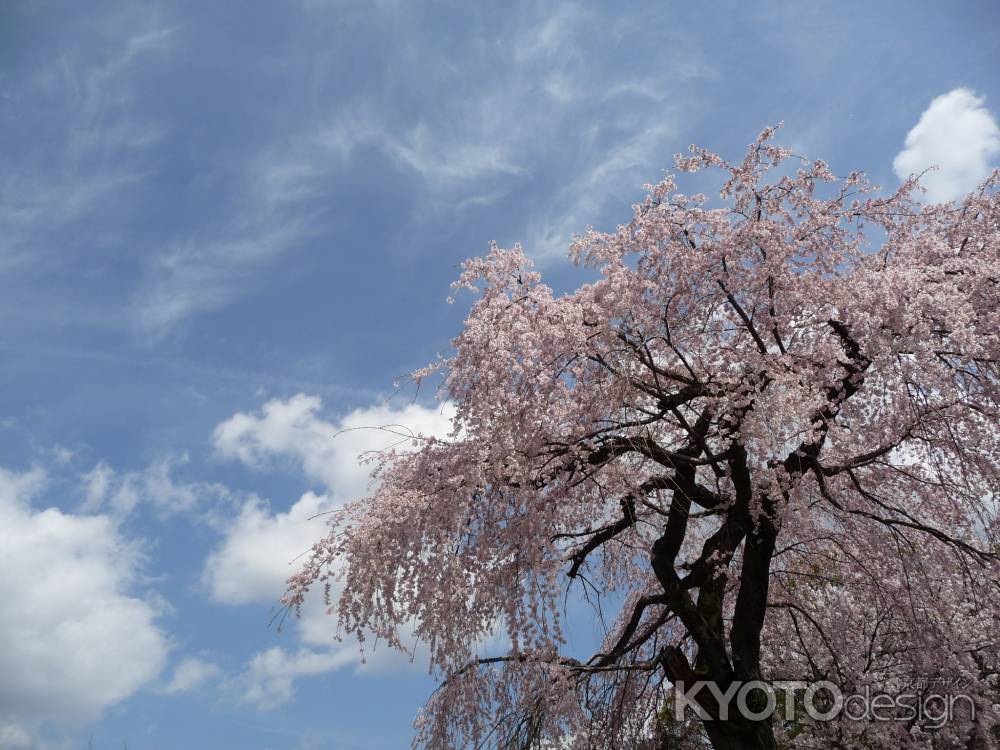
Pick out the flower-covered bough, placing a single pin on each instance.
(768, 433)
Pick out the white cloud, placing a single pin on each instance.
(97, 484)
(494, 139)
(256, 555)
(270, 677)
(15, 737)
(503, 123)
(443, 163)
(258, 551)
(958, 135)
(328, 452)
(618, 175)
(260, 546)
(76, 640)
(120, 494)
(554, 38)
(98, 117)
(205, 274)
(191, 673)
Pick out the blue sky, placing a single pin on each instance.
(226, 230)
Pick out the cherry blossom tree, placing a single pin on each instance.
(766, 435)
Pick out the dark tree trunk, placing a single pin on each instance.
(730, 735)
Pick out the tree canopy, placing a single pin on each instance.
(767, 432)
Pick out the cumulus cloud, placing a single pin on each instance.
(15, 737)
(120, 494)
(190, 674)
(257, 553)
(958, 136)
(77, 638)
(261, 545)
(327, 452)
(254, 559)
(271, 675)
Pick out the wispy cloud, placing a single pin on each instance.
(523, 118)
(617, 176)
(535, 121)
(205, 275)
(526, 113)
(90, 116)
(156, 487)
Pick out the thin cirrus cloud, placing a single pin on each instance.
(195, 209)
(260, 547)
(276, 202)
(587, 194)
(504, 123)
(955, 145)
(545, 113)
(89, 107)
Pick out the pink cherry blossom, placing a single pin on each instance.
(768, 432)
